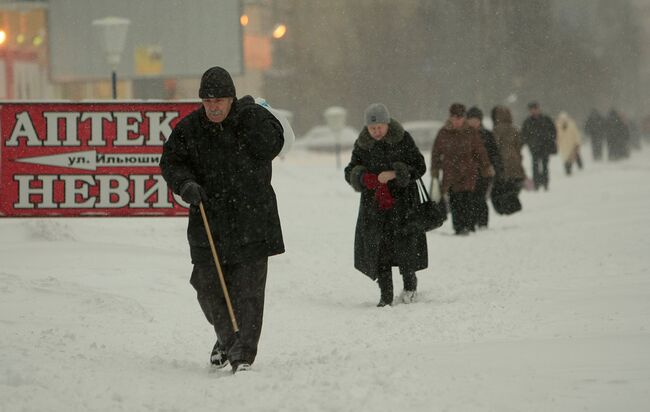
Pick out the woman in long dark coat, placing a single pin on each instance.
(508, 183)
(385, 166)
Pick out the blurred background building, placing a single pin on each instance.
(417, 56)
(23, 51)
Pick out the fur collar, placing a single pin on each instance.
(395, 135)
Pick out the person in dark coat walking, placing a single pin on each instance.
(595, 127)
(508, 183)
(481, 211)
(221, 155)
(460, 154)
(618, 136)
(538, 132)
(384, 168)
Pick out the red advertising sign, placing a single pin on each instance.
(86, 159)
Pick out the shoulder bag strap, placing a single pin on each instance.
(422, 191)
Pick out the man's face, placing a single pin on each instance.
(378, 130)
(217, 109)
(535, 111)
(474, 122)
(457, 121)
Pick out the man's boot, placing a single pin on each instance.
(218, 357)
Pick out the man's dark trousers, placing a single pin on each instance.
(246, 284)
(462, 211)
(540, 170)
(481, 211)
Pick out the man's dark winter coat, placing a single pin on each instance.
(232, 162)
(539, 134)
(492, 150)
(381, 232)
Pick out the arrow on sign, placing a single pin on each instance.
(76, 160)
(90, 160)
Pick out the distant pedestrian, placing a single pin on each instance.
(568, 141)
(635, 135)
(481, 211)
(618, 136)
(459, 153)
(539, 134)
(384, 168)
(508, 183)
(595, 127)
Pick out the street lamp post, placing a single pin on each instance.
(335, 120)
(113, 34)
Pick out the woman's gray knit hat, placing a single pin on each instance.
(377, 113)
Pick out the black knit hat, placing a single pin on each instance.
(474, 113)
(216, 82)
(457, 110)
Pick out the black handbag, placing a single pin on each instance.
(505, 197)
(427, 214)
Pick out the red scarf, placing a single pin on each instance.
(382, 193)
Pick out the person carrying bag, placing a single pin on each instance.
(384, 168)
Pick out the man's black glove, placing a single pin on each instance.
(193, 193)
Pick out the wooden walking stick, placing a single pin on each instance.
(216, 262)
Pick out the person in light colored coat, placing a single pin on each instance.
(568, 141)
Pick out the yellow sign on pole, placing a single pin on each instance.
(148, 60)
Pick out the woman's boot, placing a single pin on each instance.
(385, 282)
(409, 293)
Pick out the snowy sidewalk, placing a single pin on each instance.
(548, 310)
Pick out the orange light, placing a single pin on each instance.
(279, 31)
(3, 36)
(20, 39)
(244, 20)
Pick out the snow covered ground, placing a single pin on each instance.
(548, 310)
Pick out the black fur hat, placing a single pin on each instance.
(474, 112)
